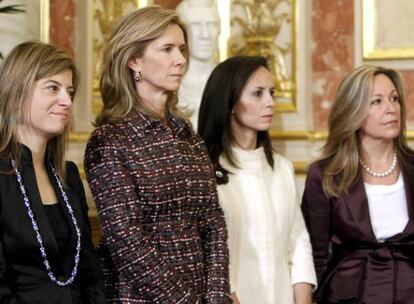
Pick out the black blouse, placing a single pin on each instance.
(23, 276)
(60, 228)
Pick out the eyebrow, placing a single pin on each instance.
(53, 81)
(57, 83)
(393, 91)
(263, 88)
(172, 45)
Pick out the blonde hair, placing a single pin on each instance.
(27, 63)
(130, 40)
(348, 113)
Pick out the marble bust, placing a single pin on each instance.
(203, 24)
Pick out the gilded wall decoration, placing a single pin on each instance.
(267, 28)
(106, 14)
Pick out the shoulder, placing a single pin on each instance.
(317, 168)
(71, 169)
(410, 159)
(108, 138)
(281, 162)
(109, 133)
(72, 175)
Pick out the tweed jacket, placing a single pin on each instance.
(164, 234)
(351, 265)
(23, 276)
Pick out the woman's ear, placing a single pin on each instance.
(134, 63)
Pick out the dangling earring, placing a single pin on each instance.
(137, 75)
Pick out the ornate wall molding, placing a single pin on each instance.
(268, 28)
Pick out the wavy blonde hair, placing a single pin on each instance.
(27, 63)
(128, 41)
(348, 113)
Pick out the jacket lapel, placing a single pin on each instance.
(408, 177)
(357, 204)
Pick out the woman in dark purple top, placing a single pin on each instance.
(359, 198)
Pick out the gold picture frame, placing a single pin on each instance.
(384, 24)
(45, 20)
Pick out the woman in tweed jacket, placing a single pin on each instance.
(164, 232)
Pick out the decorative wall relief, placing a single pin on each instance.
(106, 15)
(267, 28)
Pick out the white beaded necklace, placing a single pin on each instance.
(380, 174)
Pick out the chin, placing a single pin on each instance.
(390, 135)
(56, 132)
(263, 128)
(173, 88)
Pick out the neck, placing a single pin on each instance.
(246, 140)
(377, 155)
(154, 100)
(36, 143)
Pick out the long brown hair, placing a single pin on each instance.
(128, 41)
(348, 113)
(27, 63)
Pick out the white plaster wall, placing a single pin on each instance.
(16, 28)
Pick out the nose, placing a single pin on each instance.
(65, 99)
(391, 106)
(180, 58)
(269, 100)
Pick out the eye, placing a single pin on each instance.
(71, 93)
(258, 93)
(395, 98)
(183, 50)
(167, 49)
(53, 88)
(272, 93)
(376, 101)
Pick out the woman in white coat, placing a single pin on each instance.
(270, 253)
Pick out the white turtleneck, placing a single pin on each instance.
(268, 242)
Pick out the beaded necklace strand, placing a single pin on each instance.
(381, 174)
(37, 232)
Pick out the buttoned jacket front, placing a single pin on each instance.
(157, 204)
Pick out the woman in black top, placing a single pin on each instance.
(46, 253)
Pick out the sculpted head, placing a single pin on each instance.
(203, 23)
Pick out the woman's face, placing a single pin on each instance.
(50, 107)
(253, 112)
(383, 120)
(163, 64)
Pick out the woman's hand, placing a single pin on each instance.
(303, 293)
(235, 298)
